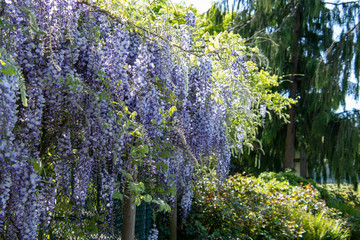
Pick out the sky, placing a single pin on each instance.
(204, 5)
(201, 5)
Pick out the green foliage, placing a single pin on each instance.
(288, 176)
(343, 198)
(347, 201)
(260, 208)
(8, 67)
(297, 38)
(328, 192)
(350, 212)
(215, 21)
(320, 227)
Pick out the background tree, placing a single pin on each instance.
(316, 62)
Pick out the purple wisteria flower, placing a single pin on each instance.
(190, 19)
(84, 73)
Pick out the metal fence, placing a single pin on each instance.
(93, 222)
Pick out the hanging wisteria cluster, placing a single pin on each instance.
(96, 89)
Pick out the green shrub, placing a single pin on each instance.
(340, 197)
(259, 208)
(342, 193)
(319, 227)
(351, 213)
(288, 176)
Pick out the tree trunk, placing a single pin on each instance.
(173, 221)
(129, 210)
(290, 133)
(129, 213)
(303, 164)
(291, 129)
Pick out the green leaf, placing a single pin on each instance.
(163, 206)
(136, 133)
(137, 201)
(143, 148)
(198, 44)
(9, 70)
(117, 195)
(147, 198)
(22, 87)
(165, 154)
(140, 187)
(33, 24)
(167, 207)
(172, 110)
(27, 11)
(160, 189)
(206, 36)
(165, 167)
(125, 174)
(92, 227)
(162, 165)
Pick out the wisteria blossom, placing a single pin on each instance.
(104, 102)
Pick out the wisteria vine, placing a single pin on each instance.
(101, 96)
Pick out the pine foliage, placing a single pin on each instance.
(324, 36)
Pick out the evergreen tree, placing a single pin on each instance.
(316, 62)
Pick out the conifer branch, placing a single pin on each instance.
(339, 3)
(332, 46)
(244, 24)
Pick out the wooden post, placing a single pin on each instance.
(173, 221)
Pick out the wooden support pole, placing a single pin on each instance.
(129, 214)
(173, 221)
